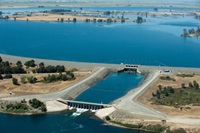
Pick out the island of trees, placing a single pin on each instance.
(191, 32)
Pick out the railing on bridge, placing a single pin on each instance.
(84, 105)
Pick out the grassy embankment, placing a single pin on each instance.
(148, 128)
(187, 94)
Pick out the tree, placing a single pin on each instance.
(171, 90)
(196, 85)
(160, 87)
(1, 59)
(23, 80)
(123, 20)
(62, 19)
(8, 76)
(185, 33)
(166, 94)
(17, 69)
(41, 64)
(60, 68)
(107, 13)
(139, 19)
(35, 103)
(87, 20)
(30, 63)
(1, 77)
(198, 30)
(6, 17)
(15, 81)
(183, 85)
(19, 63)
(158, 96)
(32, 79)
(191, 85)
(74, 20)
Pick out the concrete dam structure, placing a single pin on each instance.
(130, 69)
(84, 105)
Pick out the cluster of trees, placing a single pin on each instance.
(183, 75)
(24, 80)
(165, 91)
(60, 77)
(139, 20)
(6, 68)
(191, 31)
(49, 69)
(37, 104)
(60, 10)
(109, 20)
(167, 78)
(7, 76)
(30, 79)
(106, 12)
(194, 85)
(16, 107)
(60, 19)
(87, 20)
(175, 97)
(30, 63)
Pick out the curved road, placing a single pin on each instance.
(129, 103)
(56, 95)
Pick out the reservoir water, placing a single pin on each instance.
(156, 42)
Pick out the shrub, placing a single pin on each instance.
(107, 118)
(15, 81)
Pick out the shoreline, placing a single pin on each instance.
(92, 65)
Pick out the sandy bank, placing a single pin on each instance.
(55, 17)
(55, 106)
(102, 113)
(68, 64)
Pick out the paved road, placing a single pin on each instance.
(128, 103)
(55, 95)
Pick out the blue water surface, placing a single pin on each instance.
(63, 122)
(112, 87)
(146, 44)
